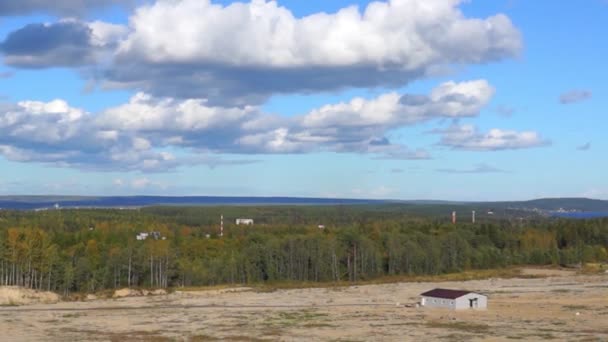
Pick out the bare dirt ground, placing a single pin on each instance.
(562, 306)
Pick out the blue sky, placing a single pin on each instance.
(473, 100)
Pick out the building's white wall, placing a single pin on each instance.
(433, 302)
(246, 222)
(464, 301)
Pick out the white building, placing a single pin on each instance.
(246, 222)
(142, 236)
(453, 299)
(153, 235)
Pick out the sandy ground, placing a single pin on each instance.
(562, 306)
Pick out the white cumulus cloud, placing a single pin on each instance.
(139, 134)
(158, 134)
(468, 137)
(242, 53)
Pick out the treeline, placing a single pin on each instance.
(91, 250)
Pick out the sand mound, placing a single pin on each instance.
(137, 293)
(126, 293)
(215, 292)
(14, 295)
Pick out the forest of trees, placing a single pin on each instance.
(91, 250)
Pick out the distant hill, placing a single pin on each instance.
(544, 206)
(581, 204)
(47, 202)
(559, 207)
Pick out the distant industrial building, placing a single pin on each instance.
(453, 299)
(244, 222)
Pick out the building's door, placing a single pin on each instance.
(473, 303)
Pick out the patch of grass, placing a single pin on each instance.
(202, 338)
(73, 315)
(587, 338)
(456, 337)
(139, 337)
(242, 338)
(473, 328)
(319, 325)
(240, 324)
(404, 324)
(236, 317)
(209, 338)
(305, 315)
(304, 318)
(561, 290)
(545, 336)
(50, 321)
(575, 307)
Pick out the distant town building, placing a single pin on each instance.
(245, 222)
(152, 235)
(453, 299)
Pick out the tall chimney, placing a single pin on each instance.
(221, 225)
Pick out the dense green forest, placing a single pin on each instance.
(91, 250)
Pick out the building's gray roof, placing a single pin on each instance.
(445, 293)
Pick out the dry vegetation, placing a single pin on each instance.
(541, 304)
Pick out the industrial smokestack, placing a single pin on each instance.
(453, 217)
